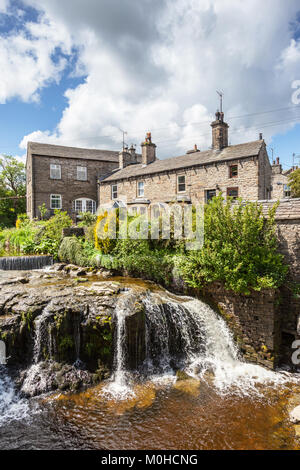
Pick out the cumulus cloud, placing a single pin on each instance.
(156, 65)
(26, 59)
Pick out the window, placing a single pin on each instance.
(286, 190)
(82, 173)
(55, 172)
(181, 183)
(233, 171)
(209, 194)
(233, 192)
(114, 191)
(84, 205)
(55, 201)
(140, 190)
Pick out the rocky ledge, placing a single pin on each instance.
(59, 331)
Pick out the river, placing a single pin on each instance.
(221, 403)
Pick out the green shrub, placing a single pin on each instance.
(240, 249)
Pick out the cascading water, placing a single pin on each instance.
(24, 263)
(35, 378)
(185, 333)
(11, 406)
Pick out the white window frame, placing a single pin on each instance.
(84, 202)
(114, 192)
(180, 184)
(60, 199)
(140, 189)
(81, 173)
(53, 168)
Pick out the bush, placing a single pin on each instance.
(75, 251)
(240, 249)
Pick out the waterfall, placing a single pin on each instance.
(24, 263)
(120, 385)
(35, 376)
(11, 406)
(183, 333)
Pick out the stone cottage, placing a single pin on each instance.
(66, 177)
(78, 180)
(241, 170)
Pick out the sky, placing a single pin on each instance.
(79, 72)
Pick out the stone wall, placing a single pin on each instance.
(251, 180)
(254, 321)
(266, 323)
(41, 186)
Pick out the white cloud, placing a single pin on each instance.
(156, 66)
(26, 61)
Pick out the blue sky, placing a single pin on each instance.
(76, 76)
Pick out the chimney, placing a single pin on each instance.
(148, 150)
(124, 158)
(219, 132)
(260, 136)
(133, 154)
(195, 149)
(276, 167)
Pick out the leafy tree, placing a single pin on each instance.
(294, 182)
(12, 190)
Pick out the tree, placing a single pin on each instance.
(294, 182)
(12, 190)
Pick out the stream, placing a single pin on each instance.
(220, 402)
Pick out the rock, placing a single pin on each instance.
(105, 288)
(182, 375)
(295, 415)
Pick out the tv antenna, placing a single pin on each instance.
(221, 94)
(123, 139)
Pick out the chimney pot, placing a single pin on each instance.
(148, 150)
(195, 148)
(260, 136)
(277, 161)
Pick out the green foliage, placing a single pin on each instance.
(43, 210)
(294, 182)
(87, 219)
(34, 237)
(138, 257)
(12, 190)
(76, 251)
(54, 226)
(240, 249)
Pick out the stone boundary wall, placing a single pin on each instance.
(288, 223)
(254, 321)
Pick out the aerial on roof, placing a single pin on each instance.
(49, 150)
(232, 152)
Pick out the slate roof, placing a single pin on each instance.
(50, 150)
(189, 160)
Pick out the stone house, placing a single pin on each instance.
(280, 182)
(78, 180)
(65, 177)
(241, 170)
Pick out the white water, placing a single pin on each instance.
(221, 357)
(120, 387)
(35, 377)
(209, 351)
(11, 406)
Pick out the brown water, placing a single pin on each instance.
(189, 414)
(185, 415)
